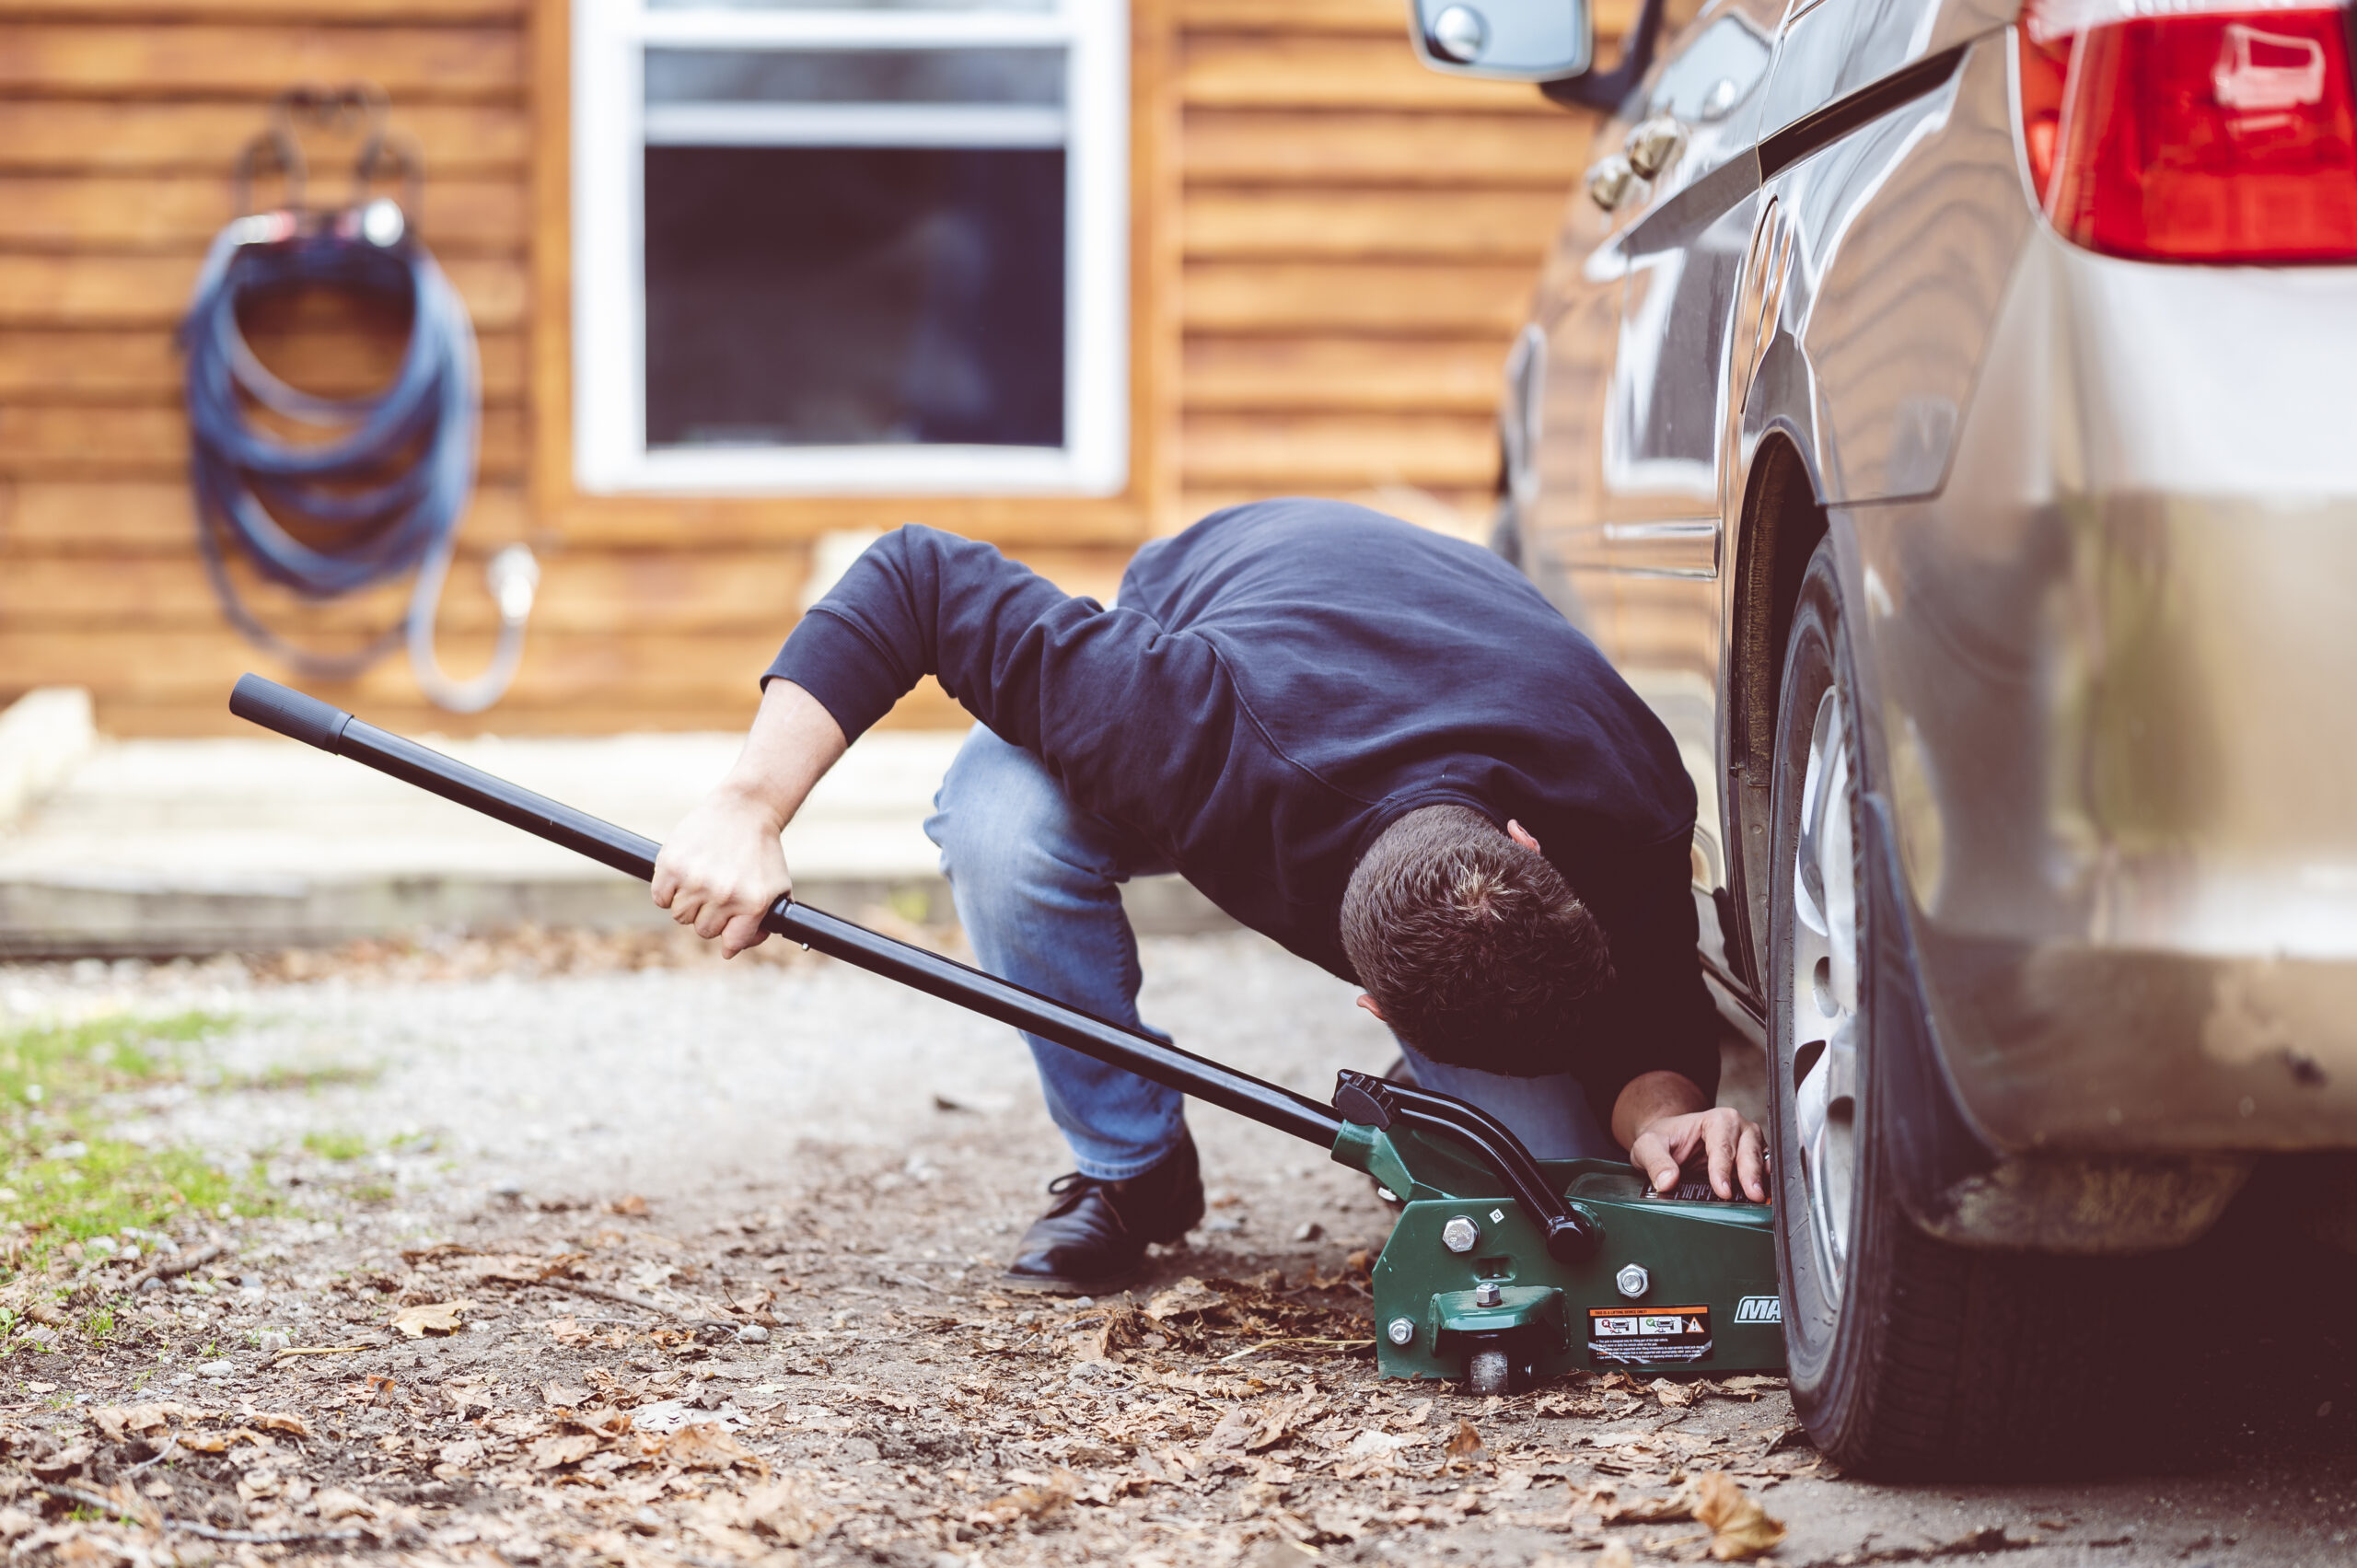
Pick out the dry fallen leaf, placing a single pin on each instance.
(1650, 1510)
(1616, 1554)
(562, 1448)
(1740, 1528)
(277, 1421)
(1465, 1442)
(1676, 1396)
(1278, 1553)
(631, 1206)
(431, 1317)
(1749, 1385)
(1125, 1329)
(558, 1396)
(781, 1513)
(708, 1446)
(335, 1504)
(1259, 1427)
(1032, 1501)
(1189, 1298)
(1370, 1444)
(1233, 1431)
(610, 1423)
(134, 1421)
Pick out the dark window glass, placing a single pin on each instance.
(851, 295)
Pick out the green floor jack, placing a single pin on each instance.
(1501, 1268)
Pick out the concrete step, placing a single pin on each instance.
(159, 848)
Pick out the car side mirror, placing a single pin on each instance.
(1551, 43)
(1515, 41)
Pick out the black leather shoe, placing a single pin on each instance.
(1093, 1238)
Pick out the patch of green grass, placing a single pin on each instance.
(62, 1179)
(336, 1145)
(114, 1184)
(49, 1063)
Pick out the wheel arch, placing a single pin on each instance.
(1780, 525)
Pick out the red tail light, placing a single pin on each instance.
(2159, 130)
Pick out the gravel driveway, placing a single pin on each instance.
(769, 1195)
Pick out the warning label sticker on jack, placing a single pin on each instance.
(1640, 1336)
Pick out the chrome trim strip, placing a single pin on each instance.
(1779, 150)
(1702, 200)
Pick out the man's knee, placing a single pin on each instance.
(1006, 827)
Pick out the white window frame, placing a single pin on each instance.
(610, 41)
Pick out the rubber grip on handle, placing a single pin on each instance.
(290, 713)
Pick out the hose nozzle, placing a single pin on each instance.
(514, 577)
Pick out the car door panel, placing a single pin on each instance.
(1662, 446)
(1662, 439)
(1650, 558)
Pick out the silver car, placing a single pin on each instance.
(1945, 413)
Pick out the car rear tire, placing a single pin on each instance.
(1909, 1356)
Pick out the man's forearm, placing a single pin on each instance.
(723, 866)
(792, 744)
(1650, 1096)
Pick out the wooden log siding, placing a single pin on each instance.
(1353, 241)
(1360, 239)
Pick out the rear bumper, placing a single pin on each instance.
(2112, 671)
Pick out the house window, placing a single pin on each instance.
(850, 246)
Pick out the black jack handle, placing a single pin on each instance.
(306, 719)
(1361, 1099)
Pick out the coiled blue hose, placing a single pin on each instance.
(383, 493)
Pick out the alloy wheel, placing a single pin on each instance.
(1823, 1024)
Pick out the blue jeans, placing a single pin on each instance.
(1037, 883)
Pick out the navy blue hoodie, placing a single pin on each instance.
(1276, 686)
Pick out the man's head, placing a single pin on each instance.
(1471, 946)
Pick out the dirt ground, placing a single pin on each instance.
(590, 1250)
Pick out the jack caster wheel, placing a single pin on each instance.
(1497, 1365)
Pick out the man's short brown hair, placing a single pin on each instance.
(1475, 948)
